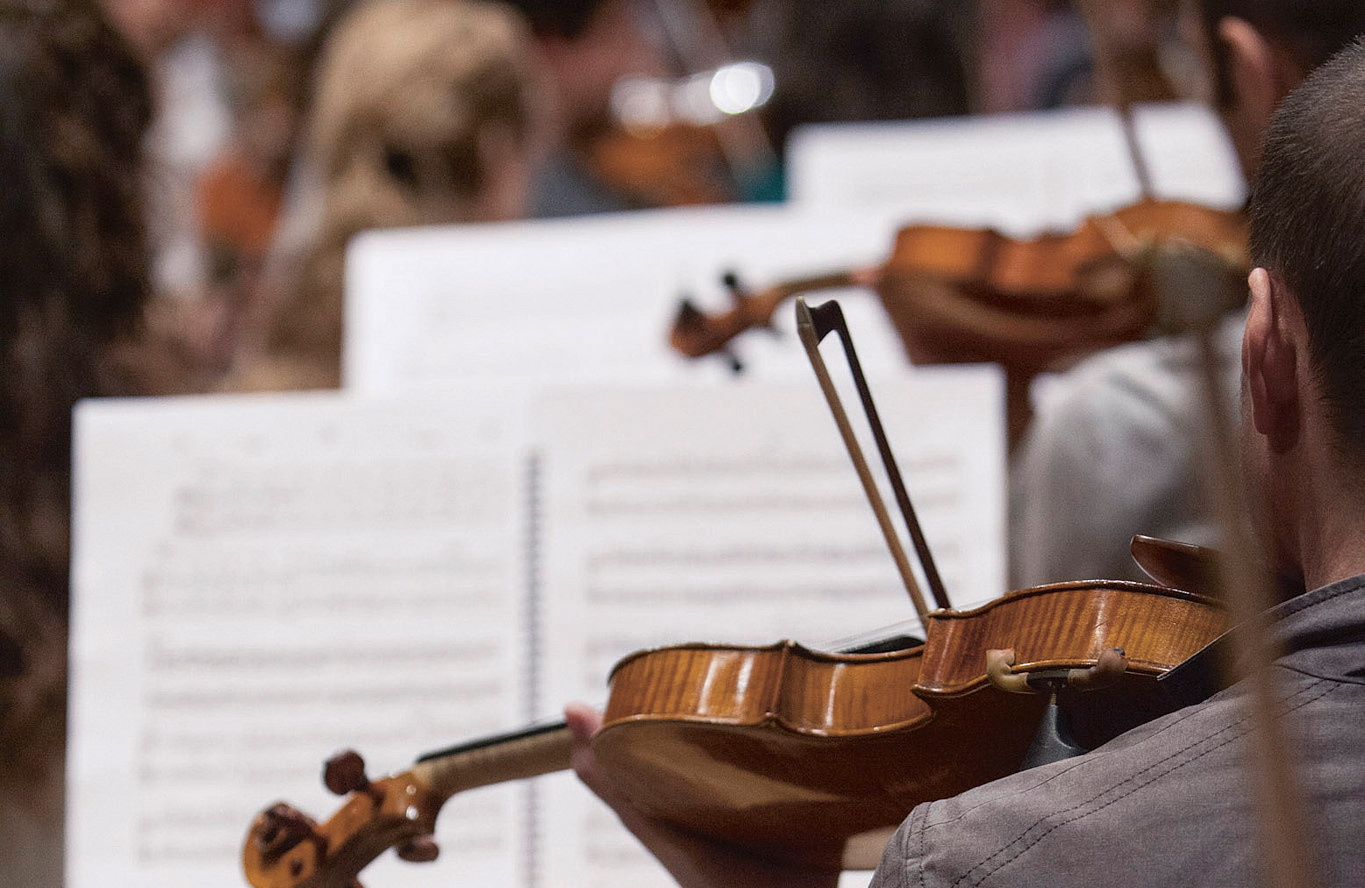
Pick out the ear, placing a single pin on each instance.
(1261, 75)
(1270, 361)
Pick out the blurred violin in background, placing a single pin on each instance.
(960, 295)
(692, 136)
(689, 140)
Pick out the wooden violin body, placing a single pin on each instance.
(813, 757)
(1030, 303)
(793, 754)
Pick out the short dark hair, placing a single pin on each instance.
(1309, 32)
(558, 18)
(1308, 226)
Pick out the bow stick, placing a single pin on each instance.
(812, 326)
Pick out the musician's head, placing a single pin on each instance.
(1304, 348)
(424, 113)
(1259, 50)
(566, 19)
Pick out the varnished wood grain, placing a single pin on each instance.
(794, 753)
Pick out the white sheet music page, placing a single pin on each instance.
(259, 582)
(1021, 173)
(734, 514)
(591, 299)
(1189, 154)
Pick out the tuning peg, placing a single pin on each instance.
(281, 828)
(422, 849)
(345, 772)
(731, 281)
(732, 360)
(739, 294)
(689, 316)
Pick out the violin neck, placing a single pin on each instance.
(833, 281)
(538, 750)
(757, 309)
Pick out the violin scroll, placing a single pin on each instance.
(286, 848)
(696, 334)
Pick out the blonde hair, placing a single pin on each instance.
(417, 102)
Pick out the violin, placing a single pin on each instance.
(671, 142)
(673, 166)
(960, 295)
(791, 753)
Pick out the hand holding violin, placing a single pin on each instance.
(695, 861)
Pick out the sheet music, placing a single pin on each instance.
(1189, 154)
(1021, 173)
(259, 582)
(592, 299)
(735, 515)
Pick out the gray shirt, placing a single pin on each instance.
(1168, 804)
(1110, 453)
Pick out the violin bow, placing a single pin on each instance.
(694, 34)
(812, 326)
(1248, 591)
(1111, 87)
(1190, 277)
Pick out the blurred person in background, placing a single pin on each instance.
(239, 196)
(226, 89)
(75, 105)
(1040, 54)
(424, 113)
(1117, 429)
(191, 126)
(870, 60)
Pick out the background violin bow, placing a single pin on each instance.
(1189, 282)
(1112, 88)
(1191, 277)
